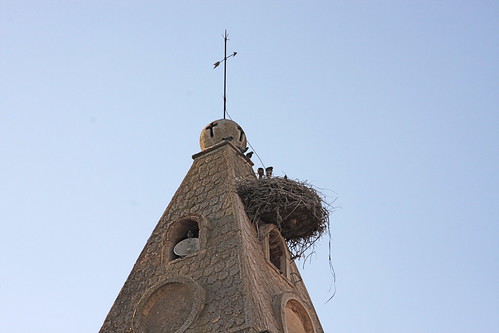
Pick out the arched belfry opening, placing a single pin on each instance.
(182, 238)
(277, 252)
(275, 249)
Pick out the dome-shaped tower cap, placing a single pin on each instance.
(222, 130)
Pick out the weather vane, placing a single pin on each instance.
(224, 60)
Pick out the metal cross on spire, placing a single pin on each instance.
(224, 60)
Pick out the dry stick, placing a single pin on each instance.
(262, 197)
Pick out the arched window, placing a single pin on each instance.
(297, 319)
(275, 249)
(184, 236)
(293, 314)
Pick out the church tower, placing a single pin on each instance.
(208, 267)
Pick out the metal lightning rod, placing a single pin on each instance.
(224, 60)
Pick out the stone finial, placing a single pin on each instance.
(222, 130)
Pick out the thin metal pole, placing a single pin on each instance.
(225, 73)
(224, 60)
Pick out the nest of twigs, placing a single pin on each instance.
(295, 207)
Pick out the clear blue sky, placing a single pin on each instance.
(392, 107)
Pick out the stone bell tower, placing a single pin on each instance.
(207, 267)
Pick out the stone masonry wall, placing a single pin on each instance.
(240, 286)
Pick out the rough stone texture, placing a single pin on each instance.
(241, 287)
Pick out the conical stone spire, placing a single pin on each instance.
(238, 279)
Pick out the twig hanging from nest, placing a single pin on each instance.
(295, 207)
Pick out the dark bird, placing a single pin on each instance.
(285, 177)
(249, 155)
(268, 171)
(260, 173)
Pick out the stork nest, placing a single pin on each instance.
(296, 208)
